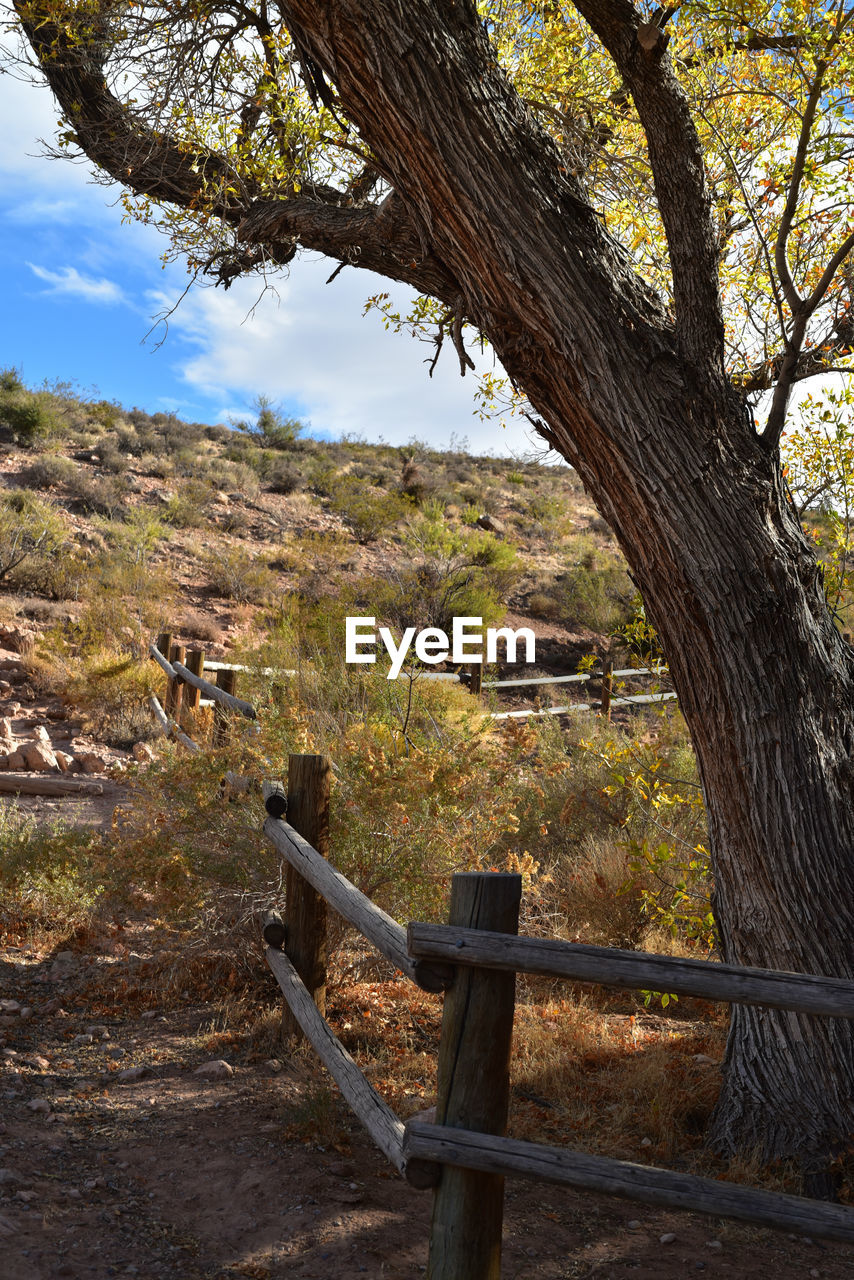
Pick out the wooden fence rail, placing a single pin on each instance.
(465, 1155)
(610, 967)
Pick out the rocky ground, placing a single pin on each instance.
(138, 1140)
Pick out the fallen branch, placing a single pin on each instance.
(39, 784)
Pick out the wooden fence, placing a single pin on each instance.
(186, 684)
(465, 1155)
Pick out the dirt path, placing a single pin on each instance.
(258, 1172)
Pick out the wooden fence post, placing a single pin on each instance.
(474, 1084)
(174, 688)
(607, 683)
(164, 643)
(305, 910)
(227, 681)
(476, 678)
(192, 695)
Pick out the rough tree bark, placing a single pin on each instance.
(484, 217)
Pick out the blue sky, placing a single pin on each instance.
(82, 290)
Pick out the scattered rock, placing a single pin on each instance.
(646, 1142)
(39, 757)
(142, 752)
(65, 763)
(667, 1238)
(491, 523)
(15, 761)
(115, 1051)
(98, 1032)
(713, 1244)
(633, 1225)
(9, 1006)
(272, 1065)
(40, 1105)
(64, 957)
(38, 1063)
(704, 1059)
(215, 1070)
(41, 734)
(83, 1039)
(8, 1178)
(130, 1074)
(91, 762)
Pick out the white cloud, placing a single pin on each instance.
(312, 347)
(70, 282)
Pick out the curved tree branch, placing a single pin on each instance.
(676, 157)
(72, 55)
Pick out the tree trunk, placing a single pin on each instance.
(670, 456)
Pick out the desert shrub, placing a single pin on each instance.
(594, 592)
(99, 495)
(105, 413)
(237, 574)
(47, 472)
(10, 380)
(620, 825)
(30, 529)
(62, 573)
(50, 877)
(188, 508)
(452, 572)
(284, 476)
(367, 513)
(111, 456)
(218, 432)
(28, 415)
(232, 477)
(198, 626)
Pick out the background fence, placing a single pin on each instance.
(465, 1155)
(186, 684)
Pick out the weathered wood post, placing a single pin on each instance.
(174, 688)
(607, 684)
(227, 681)
(305, 910)
(192, 695)
(164, 643)
(476, 678)
(474, 1084)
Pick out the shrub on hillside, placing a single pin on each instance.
(237, 574)
(284, 476)
(30, 530)
(28, 416)
(367, 513)
(48, 472)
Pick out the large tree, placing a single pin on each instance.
(647, 214)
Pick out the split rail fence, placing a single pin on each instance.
(186, 684)
(465, 1155)
(185, 687)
